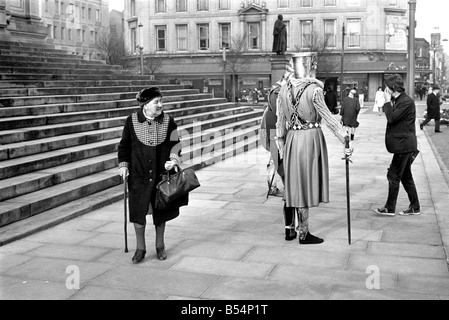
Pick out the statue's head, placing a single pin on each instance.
(280, 17)
(305, 64)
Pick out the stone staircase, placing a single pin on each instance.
(61, 118)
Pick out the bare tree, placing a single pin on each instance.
(112, 49)
(236, 61)
(317, 42)
(152, 65)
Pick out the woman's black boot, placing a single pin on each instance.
(290, 234)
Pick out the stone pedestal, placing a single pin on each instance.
(278, 64)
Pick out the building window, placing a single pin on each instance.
(181, 5)
(306, 33)
(62, 33)
(354, 27)
(89, 14)
(203, 5)
(83, 12)
(132, 6)
(57, 10)
(225, 35)
(46, 5)
(330, 3)
(83, 35)
(92, 36)
(78, 35)
(55, 29)
(306, 3)
(330, 33)
(181, 37)
(160, 6)
(254, 35)
(97, 15)
(224, 4)
(283, 3)
(69, 33)
(203, 36)
(62, 8)
(161, 35)
(133, 40)
(287, 27)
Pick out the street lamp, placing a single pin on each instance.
(411, 48)
(140, 48)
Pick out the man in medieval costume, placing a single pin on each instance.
(301, 143)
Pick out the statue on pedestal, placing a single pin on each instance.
(280, 36)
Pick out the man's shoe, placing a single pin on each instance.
(438, 131)
(311, 239)
(290, 234)
(410, 212)
(384, 212)
(421, 126)
(160, 252)
(139, 255)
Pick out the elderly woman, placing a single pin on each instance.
(149, 146)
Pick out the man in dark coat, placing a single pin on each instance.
(400, 139)
(433, 109)
(331, 100)
(280, 36)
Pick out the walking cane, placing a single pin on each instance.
(348, 202)
(126, 214)
(272, 179)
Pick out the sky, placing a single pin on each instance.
(429, 15)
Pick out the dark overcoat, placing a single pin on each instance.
(146, 163)
(400, 136)
(433, 107)
(349, 112)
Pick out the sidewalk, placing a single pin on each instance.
(229, 242)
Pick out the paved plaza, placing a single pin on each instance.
(228, 244)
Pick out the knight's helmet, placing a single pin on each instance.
(304, 64)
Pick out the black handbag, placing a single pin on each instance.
(174, 189)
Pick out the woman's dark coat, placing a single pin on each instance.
(145, 164)
(349, 112)
(400, 136)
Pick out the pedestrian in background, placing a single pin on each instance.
(331, 100)
(433, 109)
(349, 111)
(379, 101)
(361, 97)
(149, 146)
(400, 139)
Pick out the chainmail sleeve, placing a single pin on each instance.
(331, 122)
(281, 119)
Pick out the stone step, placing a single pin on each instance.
(66, 77)
(9, 102)
(82, 70)
(193, 145)
(35, 52)
(31, 182)
(35, 92)
(5, 84)
(73, 65)
(25, 45)
(44, 58)
(55, 204)
(16, 167)
(26, 164)
(31, 133)
(27, 148)
(189, 101)
(31, 204)
(41, 58)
